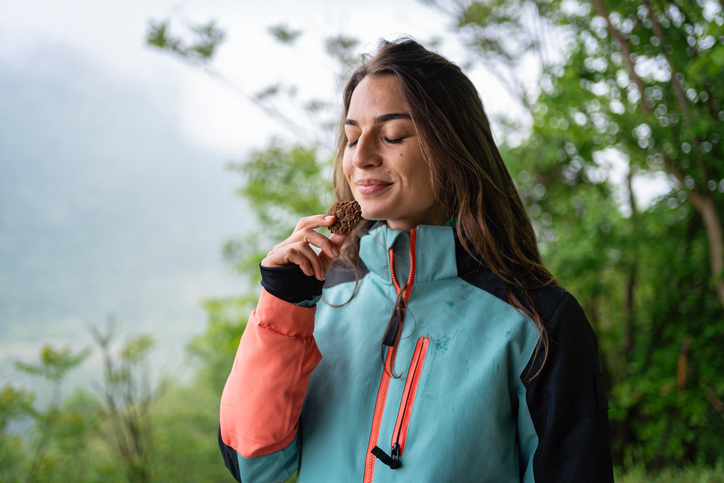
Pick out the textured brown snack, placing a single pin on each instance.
(348, 214)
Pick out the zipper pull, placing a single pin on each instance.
(392, 461)
(394, 325)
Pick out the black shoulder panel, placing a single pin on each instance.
(566, 401)
(545, 299)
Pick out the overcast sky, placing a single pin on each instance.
(110, 34)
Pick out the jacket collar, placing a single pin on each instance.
(434, 252)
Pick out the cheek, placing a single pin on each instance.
(347, 168)
(416, 170)
(423, 183)
(347, 162)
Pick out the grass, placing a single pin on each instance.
(692, 474)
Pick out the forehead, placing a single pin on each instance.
(376, 95)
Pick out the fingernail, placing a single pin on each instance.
(328, 217)
(335, 252)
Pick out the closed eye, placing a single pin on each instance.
(393, 141)
(351, 144)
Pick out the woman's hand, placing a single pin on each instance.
(296, 249)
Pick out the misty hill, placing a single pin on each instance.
(105, 207)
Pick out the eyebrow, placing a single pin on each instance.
(381, 119)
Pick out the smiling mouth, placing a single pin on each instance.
(371, 186)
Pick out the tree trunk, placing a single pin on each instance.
(631, 284)
(705, 206)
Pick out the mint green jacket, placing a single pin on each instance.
(315, 389)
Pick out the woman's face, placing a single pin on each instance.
(383, 160)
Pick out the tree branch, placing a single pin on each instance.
(678, 89)
(626, 51)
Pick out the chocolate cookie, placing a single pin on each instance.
(348, 214)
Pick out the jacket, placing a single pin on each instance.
(456, 400)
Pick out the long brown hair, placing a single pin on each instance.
(467, 171)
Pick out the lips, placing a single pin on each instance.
(371, 186)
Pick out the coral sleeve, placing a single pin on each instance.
(263, 397)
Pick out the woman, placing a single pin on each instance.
(489, 370)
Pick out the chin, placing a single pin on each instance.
(373, 215)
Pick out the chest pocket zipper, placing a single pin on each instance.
(399, 436)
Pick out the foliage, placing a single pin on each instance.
(128, 398)
(15, 404)
(53, 367)
(186, 422)
(54, 364)
(206, 38)
(690, 474)
(284, 34)
(199, 51)
(281, 184)
(92, 438)
(631, 100)
(342, 48)
(226, 321)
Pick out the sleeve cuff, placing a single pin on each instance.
(291, 285)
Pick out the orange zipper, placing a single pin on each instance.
(399, 436)
(389, 362)
(408, 396)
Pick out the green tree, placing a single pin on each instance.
(126, 432)
(128, 396)
(54, 365)
(627, 95)
(15, 405)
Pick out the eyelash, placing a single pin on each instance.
(386, 139)
(393, 141)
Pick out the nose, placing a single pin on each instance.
(367, 153)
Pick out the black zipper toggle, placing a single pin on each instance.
(395, 322)
(392, 461)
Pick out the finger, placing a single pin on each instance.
(298, 253)
(312, 222)
(296, 256)
(303, 253)
(305, 231)
(337, 241)
(326, 245)
(296, 250)
(285, 257)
